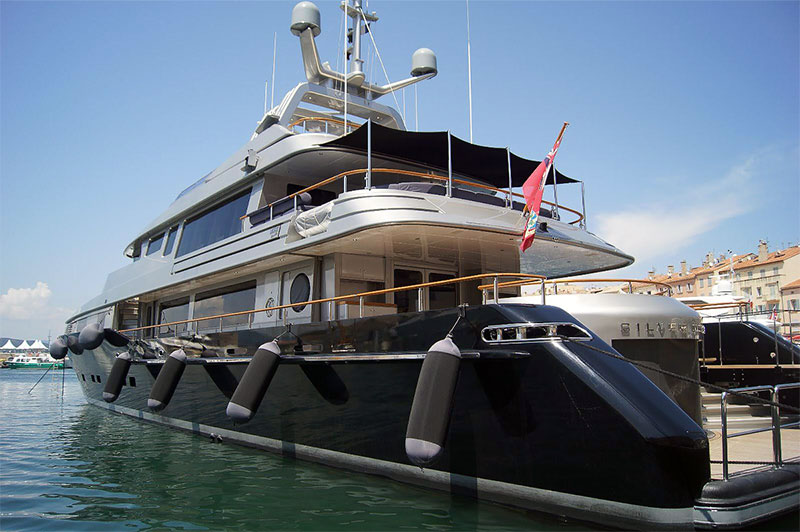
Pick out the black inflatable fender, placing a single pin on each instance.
(74, 345)
(58, 348)
(116, 378)
(91, 336)
(255, 382)
(167, 381)
(433, 402)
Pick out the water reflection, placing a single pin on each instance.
(70, 465)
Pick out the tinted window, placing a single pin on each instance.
(225, 301)
(406, 301)
(155, 244)
(300, 291)
(215, 225)
(170, 311)
(442, 296)
(170, 240)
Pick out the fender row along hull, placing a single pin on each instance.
(551, 426)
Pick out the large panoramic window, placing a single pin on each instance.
(212, 226)
(170, 311)
(225, 300)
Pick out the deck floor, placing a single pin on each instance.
(751, 448)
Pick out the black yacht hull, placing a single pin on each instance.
(553, 426)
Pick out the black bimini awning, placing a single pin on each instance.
(429, 149)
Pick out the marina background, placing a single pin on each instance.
(684, 118)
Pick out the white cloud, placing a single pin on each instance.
(29, 303)
(672, 221)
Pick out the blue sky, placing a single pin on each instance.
(685, 118)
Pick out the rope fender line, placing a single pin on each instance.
(749, 397)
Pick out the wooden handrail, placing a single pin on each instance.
(320, 119)
(456, 280)
(712, 306)
(412, 173)
(507, 284)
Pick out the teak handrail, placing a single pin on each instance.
(456, 280)
(413, 173)
(523, 282)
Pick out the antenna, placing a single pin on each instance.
(469, 75)
(274, 56)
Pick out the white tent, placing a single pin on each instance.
(8, 346)
(24, 346)
(38, 345)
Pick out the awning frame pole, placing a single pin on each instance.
(510, 185)
(583, 205)
(368, 178)
(555, 193)
(449, 166)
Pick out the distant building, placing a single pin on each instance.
(761, 278)
(768, 280)
(790, 306)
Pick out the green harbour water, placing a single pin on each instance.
(66, 465)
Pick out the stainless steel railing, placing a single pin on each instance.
(777, 451)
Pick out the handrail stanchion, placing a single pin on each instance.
(361, 307)
(510, 183)
(484, 296)
(420, 299)
(368, 178)
(630, 287)
(330, 310)
(555, 288)
(583, 206)
(719, 338)
(544, 289)
(776, 428)
(724, 421)
(449, 167)
(496, 297)
(344, 186)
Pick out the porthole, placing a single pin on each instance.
(300, 291)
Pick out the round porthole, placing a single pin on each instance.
(300, 291)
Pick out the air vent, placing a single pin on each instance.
(533, 332)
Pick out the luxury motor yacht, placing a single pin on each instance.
(334, 291)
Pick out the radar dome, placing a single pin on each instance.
(305, 15)
(423, 62)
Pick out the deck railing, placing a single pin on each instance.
(331, 301)
(555, 282)
(332, 126)
(777, 450)
(343, 176)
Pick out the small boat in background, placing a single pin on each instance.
(33, 361)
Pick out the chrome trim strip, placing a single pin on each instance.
(521, 332)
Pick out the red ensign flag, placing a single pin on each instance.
(533, 188)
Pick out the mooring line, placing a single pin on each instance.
(749, 397)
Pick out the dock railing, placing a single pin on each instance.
(139, 332)
(777, 452)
